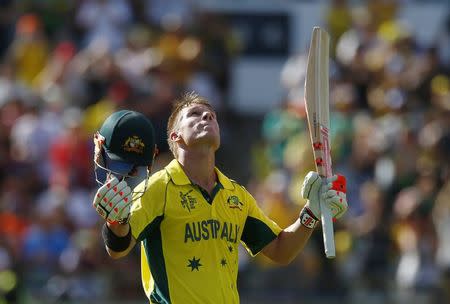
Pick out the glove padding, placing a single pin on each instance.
(332, 193)
(113, 201)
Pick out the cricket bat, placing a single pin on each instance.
(318, 115)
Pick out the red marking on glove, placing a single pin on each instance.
(116, 210)
(120, 193)
(105, 200)
(115, 189)
(110, 204)
(319, 161)
(340, 184)
(98, 194)
(317, 145)
(126, 199)
(108, 185)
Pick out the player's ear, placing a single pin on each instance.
(174, 136)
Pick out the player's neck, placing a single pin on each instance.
(199, 167)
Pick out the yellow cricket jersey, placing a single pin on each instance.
(189, 239)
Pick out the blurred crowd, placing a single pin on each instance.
(66, 65)
(390, 133)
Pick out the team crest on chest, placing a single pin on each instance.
(187, 201)
(134, 144)
(234, 202)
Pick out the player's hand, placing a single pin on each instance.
(113, 201)
(332, 193)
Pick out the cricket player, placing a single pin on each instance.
(189, 218)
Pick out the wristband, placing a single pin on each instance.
(114, 242)
(308, 219)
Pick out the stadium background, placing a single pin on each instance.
(65, 65)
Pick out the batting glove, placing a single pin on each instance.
(113, 201)
(332, 193)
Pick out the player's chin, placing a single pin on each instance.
(211, 140)
(216, 146)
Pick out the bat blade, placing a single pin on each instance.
(318, 115)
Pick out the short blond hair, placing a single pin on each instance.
(186, 100)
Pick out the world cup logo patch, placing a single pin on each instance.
(134, 144)
(188, 202)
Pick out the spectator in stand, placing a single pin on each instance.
(104, 20)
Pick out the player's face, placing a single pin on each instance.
(198, 126)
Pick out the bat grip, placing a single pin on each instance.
(327, 230)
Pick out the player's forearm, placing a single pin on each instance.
(288, 244)
(118, 240)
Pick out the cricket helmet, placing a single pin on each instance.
(125, 147)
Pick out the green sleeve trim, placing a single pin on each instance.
(150, 229)
(152, 241)
(256, 235)
(155, 256)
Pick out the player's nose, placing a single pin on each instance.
(207, 115)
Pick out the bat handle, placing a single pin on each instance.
(327, 230)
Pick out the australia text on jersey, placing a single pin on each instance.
(211, 229)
